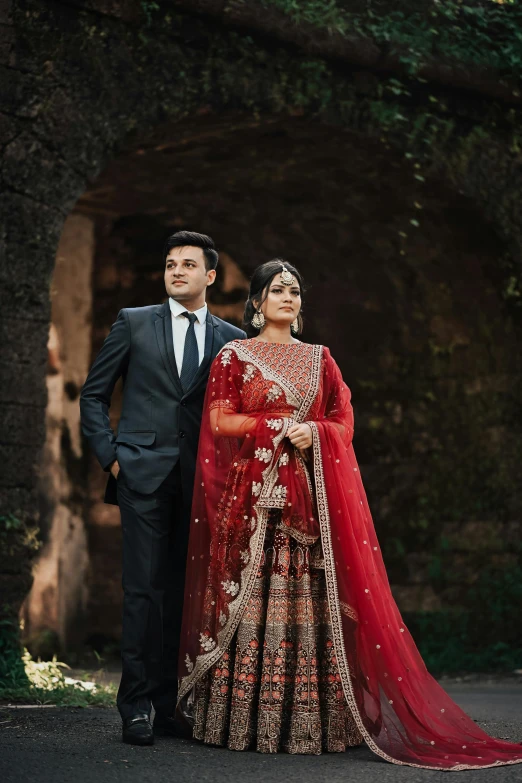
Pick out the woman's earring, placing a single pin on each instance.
(294, 326)
(258, 321)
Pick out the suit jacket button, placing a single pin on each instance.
(181, 434)
(183, 403)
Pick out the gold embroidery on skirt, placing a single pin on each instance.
(277, 687)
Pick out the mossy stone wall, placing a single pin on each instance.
(81, 81)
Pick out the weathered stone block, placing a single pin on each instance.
(19, 465)
(23, 384)
(22, 425)
(24, 342)
(30, 168)
(474, 536)
(462, 568)
(418, 564)
(21, 502)
(416, 598)
(9, 128)
(32, 230)
(22, 94)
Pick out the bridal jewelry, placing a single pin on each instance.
(258, 321)
(294, 326)
(287, 277)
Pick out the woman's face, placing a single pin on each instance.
(283, 302)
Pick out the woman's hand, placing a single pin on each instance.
(300, 436)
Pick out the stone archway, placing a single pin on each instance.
(390, 294)
(86, 81)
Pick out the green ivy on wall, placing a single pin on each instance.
(487, 33)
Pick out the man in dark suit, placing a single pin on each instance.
(163, 353)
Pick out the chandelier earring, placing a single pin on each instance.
(294, 326)
(258, 321)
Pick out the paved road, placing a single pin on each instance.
(70, 745)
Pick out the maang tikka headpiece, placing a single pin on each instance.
(287, 277)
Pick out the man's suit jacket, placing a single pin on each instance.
(159, 422)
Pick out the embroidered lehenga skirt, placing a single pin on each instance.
(277, 687)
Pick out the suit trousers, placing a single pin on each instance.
(155, 540)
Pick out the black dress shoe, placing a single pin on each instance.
(137, 730)
(165, 726)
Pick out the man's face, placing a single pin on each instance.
(186, 277)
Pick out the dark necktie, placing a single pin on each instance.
(190, 354)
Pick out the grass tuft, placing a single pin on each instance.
(46, 683)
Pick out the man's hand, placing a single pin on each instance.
(300, 436)
(115, 468)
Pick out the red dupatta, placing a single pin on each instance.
(247, 465)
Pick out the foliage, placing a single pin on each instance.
(43, 682)
(149, 7)
(18, 543)
(483, 637)
(14, 533)
(21, 678)
(487, 33)
(12, 669)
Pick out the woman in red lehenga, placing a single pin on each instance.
(291, 638)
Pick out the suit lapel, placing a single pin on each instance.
(163, 326)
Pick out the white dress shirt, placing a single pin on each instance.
(180, 324)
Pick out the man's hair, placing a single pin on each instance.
(192, 239)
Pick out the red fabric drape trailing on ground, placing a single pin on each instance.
(247, 465)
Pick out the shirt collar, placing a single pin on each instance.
(176, 308)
